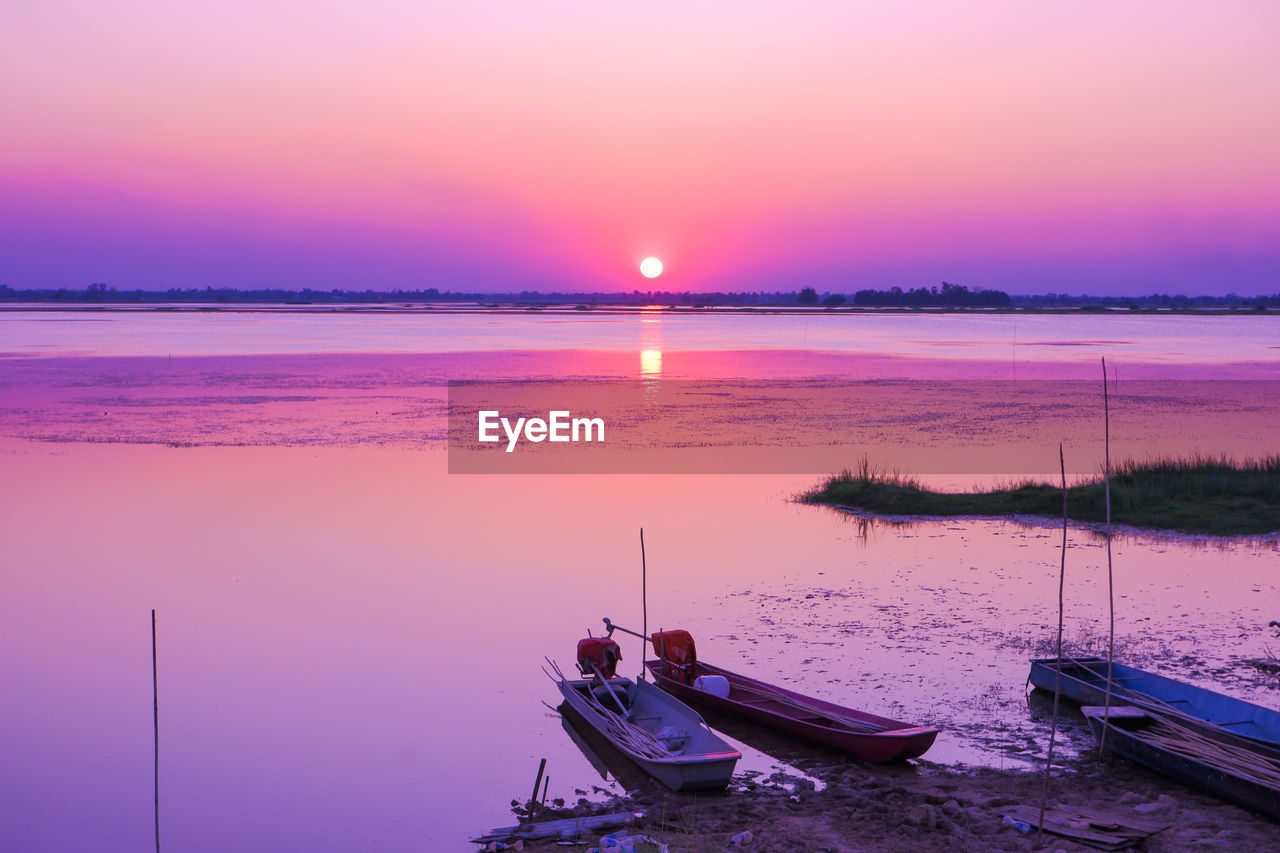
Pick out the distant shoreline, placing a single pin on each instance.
(569, 308)
(949, 298)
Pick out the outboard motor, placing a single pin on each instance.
(598, 654)
(678, 654)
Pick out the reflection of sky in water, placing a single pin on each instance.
(351, 638)
(1005, 338)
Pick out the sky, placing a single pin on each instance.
(1091, 147)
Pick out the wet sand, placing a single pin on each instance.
(929, 807)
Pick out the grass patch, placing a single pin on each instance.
(1216, 496)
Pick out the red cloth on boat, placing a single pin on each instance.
(599, 653)
(677, 649)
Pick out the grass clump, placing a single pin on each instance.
(1208, 495)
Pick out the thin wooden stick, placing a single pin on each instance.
(155, 722)
(1111, 586)
(622, 709)
(773, 694)
(1230, 758)
(537, 783)
(644, 603)
(625, 732)
(1057, 677)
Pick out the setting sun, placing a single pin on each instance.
(651, 267)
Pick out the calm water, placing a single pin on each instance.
(350, 638)
(1005, 339)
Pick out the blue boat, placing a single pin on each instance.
(1083, 681)
(1225, 769)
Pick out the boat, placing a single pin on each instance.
(1084, 680)
(660, 734)
(865, 736)
(1230, 771)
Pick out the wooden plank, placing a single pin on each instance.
(1101, 829)
(1126, 821)
(1060, 823)
(569, 827)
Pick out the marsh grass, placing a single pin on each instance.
(1201, 494)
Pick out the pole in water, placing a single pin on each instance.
(644, 602)
(1111, 584)
(1057, 669)
(537, 783)
(155, 724)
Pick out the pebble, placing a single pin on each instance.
(923, 816)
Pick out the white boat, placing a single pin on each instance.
(663, 736)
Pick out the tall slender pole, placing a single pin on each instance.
(1057, 674)
(644, 603)
(155, 724)
(1111, 586)
(537, 783)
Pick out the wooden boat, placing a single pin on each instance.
(663, 736)
(1084, 681)
(1230, 771)
(862, 735)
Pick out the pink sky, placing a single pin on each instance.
(1096, 147)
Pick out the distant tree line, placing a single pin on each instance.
(101, 293)
(1154, 300)
(947, 296)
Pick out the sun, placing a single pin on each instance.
(651, 267)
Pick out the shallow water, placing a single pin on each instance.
(351, 637)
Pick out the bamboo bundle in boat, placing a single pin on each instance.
(625, 732)
(776, 695)
(1154, 703)
(1229, 758)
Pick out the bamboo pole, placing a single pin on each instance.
(624, 732)
(644, 602)
(1111, 586)
(155, 723)
(537, 783)
(1057, 670)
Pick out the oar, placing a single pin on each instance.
(622, 710)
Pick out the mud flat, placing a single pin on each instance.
(929, 807)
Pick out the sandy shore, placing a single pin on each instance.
(927, 807)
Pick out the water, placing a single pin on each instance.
(350, 637)
(1004, 339)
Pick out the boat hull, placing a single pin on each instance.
(1125, 737)
(705, 763)
(804, 716)
(1083, 681)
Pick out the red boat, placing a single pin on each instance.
(862, 735)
